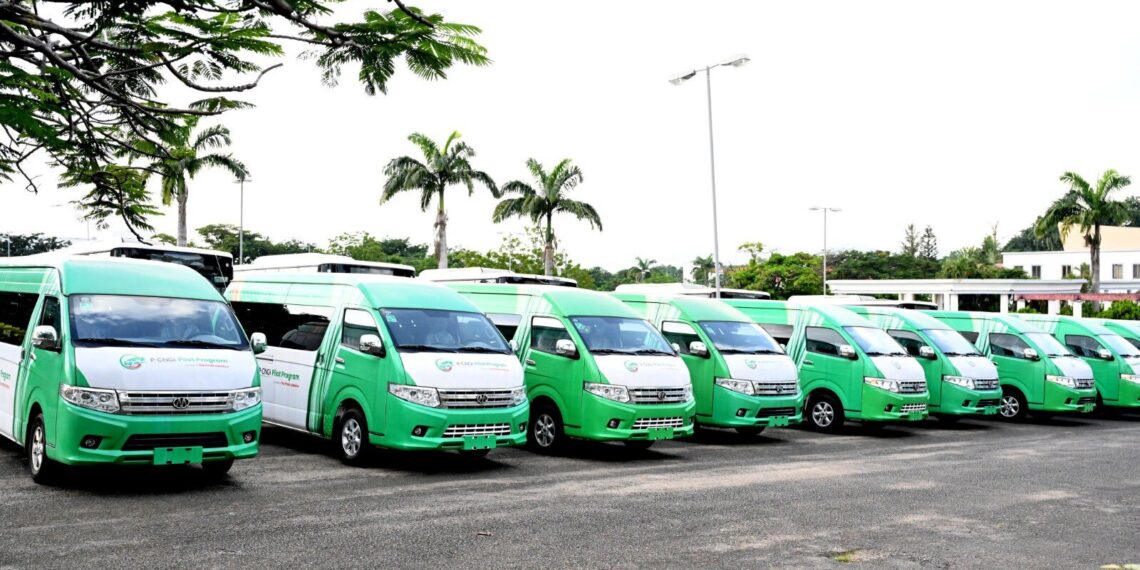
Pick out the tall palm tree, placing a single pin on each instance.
(1089, 208)
(550, 198)
(185, 154)
(641, 268)
(441, 167)
(702, 266)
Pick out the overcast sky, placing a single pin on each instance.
(958, 115)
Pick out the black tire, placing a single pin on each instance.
(217, 468)
(1013, 404)
(750, 431)
(350, 437)
(823, 413)
(474, 453)
(1103, 410)
(44, 471)
(545, 434)
(639, 444)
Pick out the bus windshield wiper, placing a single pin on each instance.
(962, 353)
(887, 354)
(757, 351)
(483, 349)
(610, 351)
(652, 351)
(114, 342)
(203, 344)
(424, 348)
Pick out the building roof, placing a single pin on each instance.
(953, 286)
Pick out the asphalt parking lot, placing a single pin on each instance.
(979, 494)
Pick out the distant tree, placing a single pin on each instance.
(440, 169)
(29, 244)
(539, 204)
(853, 264)
(912, 241)
(1087, 207)
(363, 246)
(928, 245)
(752, 248)
(781, 275)
(224, 237)
(115, 192)
(702, 268)
(991, 249)
(1121, 310)
(640, 269)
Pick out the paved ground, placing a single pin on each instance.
(1062, 494)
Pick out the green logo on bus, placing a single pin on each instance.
(750, 363)
(131, 362)
(444, 364)
(631, 366)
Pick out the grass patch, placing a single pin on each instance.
(845, 557)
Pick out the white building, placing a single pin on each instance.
(1119, 259)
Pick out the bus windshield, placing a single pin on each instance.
(1050, 345)
(217, 269)
(1121, 346)
(740, 338)
(618, 335)
(951, 343)
(875, 342)
(434, 330)
(157, 322)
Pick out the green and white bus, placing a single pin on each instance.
(849, 368)
(1114, 361)
(381, 361)
(741, 377)
(109, 361)
(1037, 373)
(961, 380)
(594, 368)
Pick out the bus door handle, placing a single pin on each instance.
(530, 362)
(809, 363)
(266, 358)
(339, 360)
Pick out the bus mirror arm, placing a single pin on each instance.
(258, 342)
(371, 344)
(45, 337)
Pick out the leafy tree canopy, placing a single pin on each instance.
(29, 244)
(224, 237)
(781, 275)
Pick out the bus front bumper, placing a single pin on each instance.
(1060, 398)
(883, 406)
(606, 420)
(961, 401)
(89, 437)
(733, 409)
(411, 426)
(1127, 395)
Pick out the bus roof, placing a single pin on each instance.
(910, 317)
(117, 276)
(492, 275)
(860, 300)
(1050, 322)
(313, 260)
(692, 308)
(379, 291)
(1011, 322)
(88, 248)
(567, 301)
(690, 289)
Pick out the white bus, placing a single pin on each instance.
(862, 301)
(216, 266)
(690, 290)
(323, 263)
(489, 275)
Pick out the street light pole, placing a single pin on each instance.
(736, 61)
(241, 222)
(825, 210)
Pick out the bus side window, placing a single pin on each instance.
(1007, 345)
(680, 334)
(1082, 345)
(782, 333)
(970, 336)
(545, 332)
(507, 323)
(824, 341)
(908, 340)
(50, 317)
(286, 326)
(15, 315)
(357, 323)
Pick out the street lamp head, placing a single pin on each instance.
(737, 60)
(683, 78)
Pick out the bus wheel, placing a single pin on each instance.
(1013, 405)
(824, 414)
(750, 431)
(545, 433)
(638, 444)
(217, 468)
(351, 437)
(1103, 410)
(43, 469)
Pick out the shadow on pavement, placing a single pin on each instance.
(135, 480)
(617, 452)
(963, 425)
(730, 437)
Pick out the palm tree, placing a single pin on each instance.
(441, 168)
(702, 266)
(550, 198)
(1089, 208)
(641, 268)
(184, 155)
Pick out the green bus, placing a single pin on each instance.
(115, 361)
(741, 377)
(594, 368)
(1114, 361)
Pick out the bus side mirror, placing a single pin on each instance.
(565, 347)
(676, 347)
(698, 348)
(847, 351)
(514, 344)
(371, 344)
(258, 342)
(1104, 354)
(45, 337)
(926, 352)
(1030, 354)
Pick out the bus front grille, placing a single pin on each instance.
(148, 442)
(649, 423)
(989, 402)
(912, 408)
(1083, 383)
(476, 398)
(175, 403)
(773, 412)
(657, 395)
(985, 384)
(777, 388)
(477, 429)
(912, 387)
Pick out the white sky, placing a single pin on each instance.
(955, 114)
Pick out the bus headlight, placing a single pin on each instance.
(91, 398)
(518, 396)
(687, 394)
(244, 399)
(742, 386)
(1130, 378)
(882, 383)
(607, 391)
(1062, 380)
(415, 394)
(962, 381)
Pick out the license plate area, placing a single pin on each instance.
(915, 416)
(1086, 408)
(778, 421)
(990, 410)
(471, 442)
(660, 433)
(177, 455)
